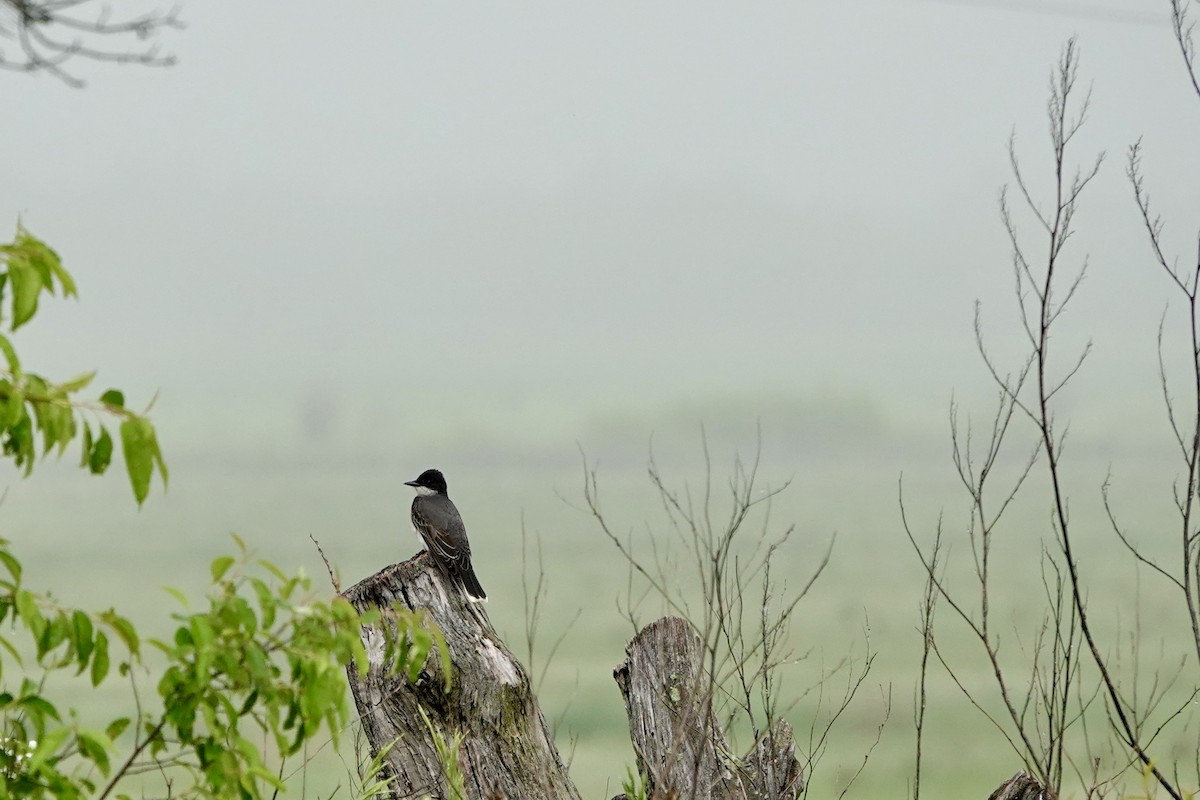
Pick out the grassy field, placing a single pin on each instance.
(83, 538)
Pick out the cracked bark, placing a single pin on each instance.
(507, 749)
(681, 751)
(1022, 787)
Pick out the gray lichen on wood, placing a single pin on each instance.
(507, 750)
(1022, 786)
(681, 751)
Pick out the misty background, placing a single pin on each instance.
(342, 244)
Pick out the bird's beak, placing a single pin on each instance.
(411, 483)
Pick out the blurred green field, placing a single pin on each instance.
(83, 538)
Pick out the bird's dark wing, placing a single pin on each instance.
(441, 528)
(439, 524)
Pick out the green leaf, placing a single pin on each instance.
(183, 639)
(113, 397)
(116, 727)
(10, 355)
(137, 445)
(100, 659)
(101, 453)
(271, 568)
(14, 408)
(266, 601)
(202, 631)
(220, 566)
(47, 263)
(249, 703)
(421, 643)
(38, 705)
(178, 595)
(86, 450)
(11, 564)
(95, 746)
(124, 629)
(78, 382)
(19, 443)
(53, 413)
(37, 254)
(82, 625)
(158, 457)
(12, 651)
(27, 608)
(53, 634)
(26, 284)
(47, 746)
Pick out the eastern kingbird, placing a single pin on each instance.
(441, 528)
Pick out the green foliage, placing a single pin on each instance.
(370, 783)
(248, 680)
(447, 753)
(33, 407)
(633, 786)
(263, 663)
(33, 267)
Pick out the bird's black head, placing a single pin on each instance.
(431, 479)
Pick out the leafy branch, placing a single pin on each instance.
(33, 407)
(264, 660)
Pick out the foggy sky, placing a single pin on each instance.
(514, 216)
(346, 242)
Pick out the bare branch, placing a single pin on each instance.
(1183, 28)
(50, 34)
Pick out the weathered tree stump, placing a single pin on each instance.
(1022, 787)
(681, 752)
(507, 750)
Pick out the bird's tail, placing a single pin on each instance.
(475, 592)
